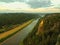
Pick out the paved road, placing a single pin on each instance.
(20, 36)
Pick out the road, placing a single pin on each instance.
(21, 35)
(12, 31)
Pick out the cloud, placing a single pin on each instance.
(39, 3)
(37, 10)
(14, 5)
(6, 0)
(24, 7)
(33, 3)
(44, 10)
(55, 3)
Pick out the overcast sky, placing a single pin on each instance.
(30, 5)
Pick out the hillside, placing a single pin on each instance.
(47, 31)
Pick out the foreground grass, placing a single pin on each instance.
(4, 36)
(6, 28)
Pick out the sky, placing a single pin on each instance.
(30, 6)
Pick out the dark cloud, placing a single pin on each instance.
(37, 4)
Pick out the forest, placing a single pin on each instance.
(9, 20)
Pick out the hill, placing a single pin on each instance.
(47, 31)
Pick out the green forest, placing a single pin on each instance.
(8, 20)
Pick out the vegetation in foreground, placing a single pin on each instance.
(48, 32)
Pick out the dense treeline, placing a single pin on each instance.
(15, 18)
(8, 20)
(50, 33)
